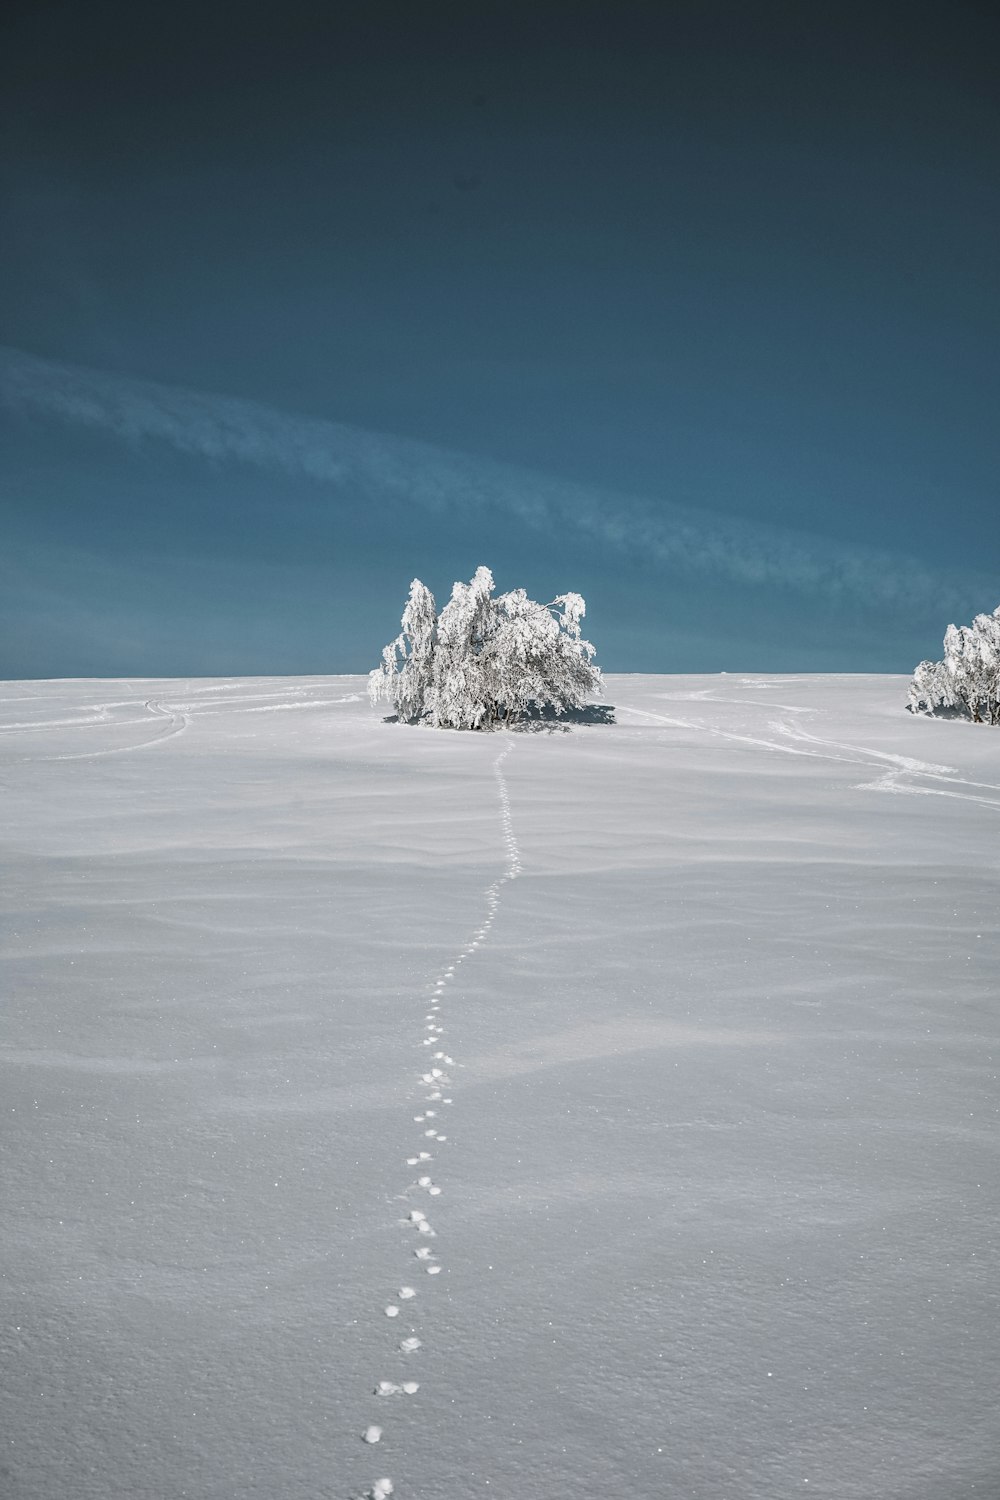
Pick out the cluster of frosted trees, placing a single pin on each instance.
(483, 660)
(967, 681)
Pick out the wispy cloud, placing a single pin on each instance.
(373, 465)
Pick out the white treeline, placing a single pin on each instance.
(967, 681)
(484, 660)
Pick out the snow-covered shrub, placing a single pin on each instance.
(485, 660)
(967, 681)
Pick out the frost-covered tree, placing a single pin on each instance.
(459, 697)
(537, 658)
(967, 681)
(414, 649)
(483, 661)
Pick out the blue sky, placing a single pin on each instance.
(691, 308)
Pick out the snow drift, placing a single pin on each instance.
(593, 1111)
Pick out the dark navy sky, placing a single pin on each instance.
(690, 307)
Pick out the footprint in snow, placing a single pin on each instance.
(409, 1346)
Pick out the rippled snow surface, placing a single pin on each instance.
(645, 1073)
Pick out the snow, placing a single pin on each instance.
(714, 989)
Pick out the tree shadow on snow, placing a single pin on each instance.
(547, 721)
(540, 720)
(941, 712)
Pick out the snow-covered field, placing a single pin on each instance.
(692, 1019)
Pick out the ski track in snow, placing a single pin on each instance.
(893, 767)
(424, 1172)
(180, 716)
(178, 720)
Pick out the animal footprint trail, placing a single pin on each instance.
(433, 1081)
